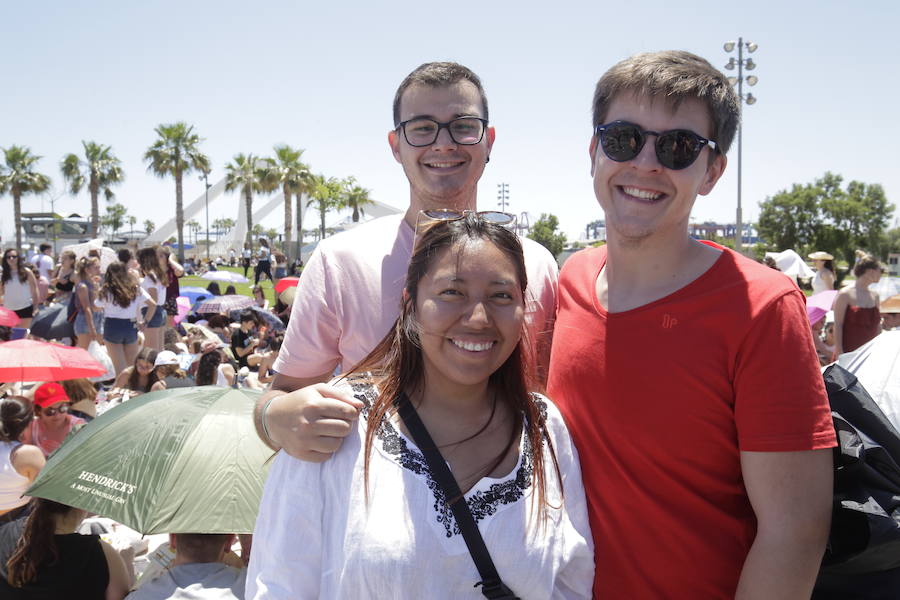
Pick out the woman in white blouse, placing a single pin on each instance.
(372, 522)
(824, 277)
(122, 298)
(153, 281)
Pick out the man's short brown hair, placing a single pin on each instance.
(673, 75)
(439, 74)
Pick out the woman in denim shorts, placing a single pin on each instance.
(121, 298)
(153, 281)
(88, 324)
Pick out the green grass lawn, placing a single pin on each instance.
(242, 288)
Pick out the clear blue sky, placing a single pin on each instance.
(321, 76)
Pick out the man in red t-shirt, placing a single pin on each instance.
(686, 372)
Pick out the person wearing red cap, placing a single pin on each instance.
(52, 421)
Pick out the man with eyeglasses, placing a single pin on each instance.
(686, 373)
(349, 292)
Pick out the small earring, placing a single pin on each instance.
(488, 159)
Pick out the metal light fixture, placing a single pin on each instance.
(750, 99)
(502, 195)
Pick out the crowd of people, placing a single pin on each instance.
(454, 416)
(128, 313)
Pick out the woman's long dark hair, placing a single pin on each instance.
(207, 368)
(16, 414)
(134, 380)
(119, 286)
(148, 260)
(398, 364)
(20, 267)
(37, 546)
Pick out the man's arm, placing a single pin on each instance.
(791, 495)
(305, 417)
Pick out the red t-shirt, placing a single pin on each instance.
(661, 400)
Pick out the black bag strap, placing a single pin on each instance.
(491, 584)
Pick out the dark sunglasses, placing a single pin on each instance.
(52, 411)
(9, 256)
(676, 149)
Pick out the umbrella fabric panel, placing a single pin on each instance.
(286, 282)
(229, 276)
(51, 323)
(32, 360)
(224, 304)
(267, 317)
(8, 318)
(183, 460)
(194, 293)
(107, 255)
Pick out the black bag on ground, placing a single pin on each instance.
(862, 559)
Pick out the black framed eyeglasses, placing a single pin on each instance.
(676, 149)
(422, 131)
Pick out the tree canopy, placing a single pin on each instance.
(177, 152)
(823, 215)
(544, 232)
(99, 171)
(19, 177)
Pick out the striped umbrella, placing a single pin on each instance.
(224, 304)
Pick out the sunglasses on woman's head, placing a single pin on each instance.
(438, 215)
(676, 149)
(53, 410)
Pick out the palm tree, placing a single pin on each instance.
(131, 221)
(357, 198)
(293, 175)
(250, 174)
(149, 226)
(327, 194)
(193, 226)
(18, 177)
(177, 153)
(100, 170)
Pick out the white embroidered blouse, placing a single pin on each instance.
(317, 538)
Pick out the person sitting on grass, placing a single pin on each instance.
(53, 421)
(139, 377)
(168, 372)
(21, 462)
(203, 567)
(243, 342)
(42, 556)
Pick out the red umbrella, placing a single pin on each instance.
(286, 282)
(30, 360)
(8, 318)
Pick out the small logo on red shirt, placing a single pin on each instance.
(668, 321)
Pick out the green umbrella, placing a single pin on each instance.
(182, 460)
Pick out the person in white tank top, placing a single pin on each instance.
(19, 463)
(824, 277)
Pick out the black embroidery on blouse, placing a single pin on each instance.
(482, 503)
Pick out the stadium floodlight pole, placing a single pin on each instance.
(502, 195)
(749, 98)
(205, 178)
